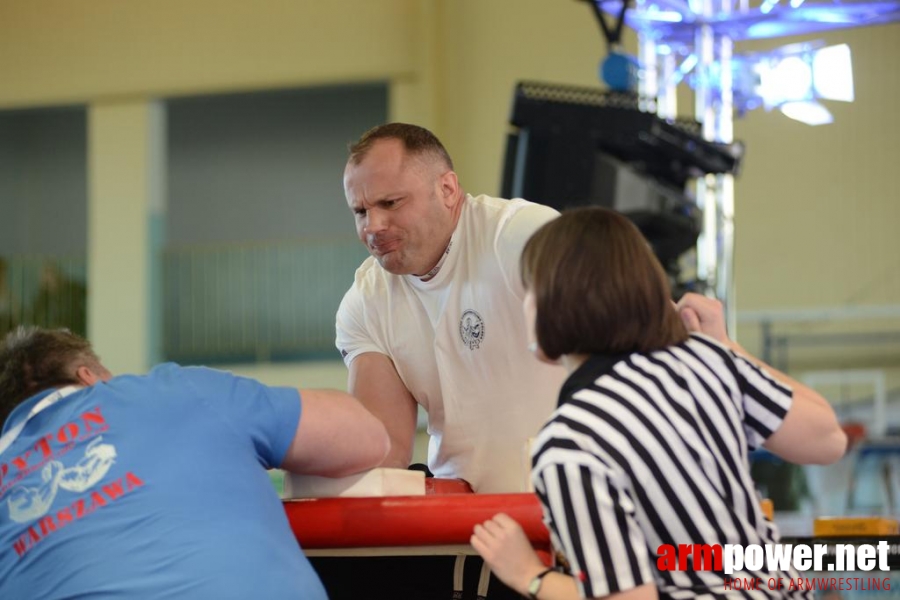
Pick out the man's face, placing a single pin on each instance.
(402, 207)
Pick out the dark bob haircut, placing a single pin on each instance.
(598, 287)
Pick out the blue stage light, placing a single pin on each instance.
(620, 72)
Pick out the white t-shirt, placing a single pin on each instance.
(459, 344)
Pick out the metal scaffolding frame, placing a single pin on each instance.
(681, 39)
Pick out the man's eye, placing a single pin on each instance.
(360, 212)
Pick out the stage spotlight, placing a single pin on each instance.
(793, 78)
(833, 73)
(789, 79)
(811, 113)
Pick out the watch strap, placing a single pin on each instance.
(535, 585)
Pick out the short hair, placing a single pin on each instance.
(417, 141)
(33, 359)
(599, 289)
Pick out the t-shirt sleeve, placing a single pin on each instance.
(352, 336)
(591, 516)
(766, 401)
(513, 235)
(267, 415)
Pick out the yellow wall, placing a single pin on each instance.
(59, 51)
(489, 45)
(817, 208)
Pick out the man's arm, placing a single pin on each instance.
(810, 432)
(336, 436)
(374, 380)
(512, 237)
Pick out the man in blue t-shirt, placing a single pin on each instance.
(155, 486)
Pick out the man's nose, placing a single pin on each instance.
(375, 222)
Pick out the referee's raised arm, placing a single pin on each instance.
(810, 432)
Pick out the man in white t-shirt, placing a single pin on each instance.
(434, 316)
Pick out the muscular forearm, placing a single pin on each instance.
(374, 380)
(400, 455)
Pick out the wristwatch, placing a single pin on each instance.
(535, 586)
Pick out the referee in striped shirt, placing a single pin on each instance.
(649, 442)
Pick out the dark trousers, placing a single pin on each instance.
(408, 578)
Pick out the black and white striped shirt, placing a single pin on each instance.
(651, 449)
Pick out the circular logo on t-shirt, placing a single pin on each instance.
(471, 329)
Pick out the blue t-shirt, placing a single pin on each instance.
(152, 487)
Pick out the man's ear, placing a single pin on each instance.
(449, 186)
(87, 377)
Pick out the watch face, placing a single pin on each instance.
(535, 585)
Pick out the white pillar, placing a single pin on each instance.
(413, 97)
(725, 279)
(126, 191)
(649, 80)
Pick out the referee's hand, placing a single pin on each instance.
(703, 315)
(505, 548)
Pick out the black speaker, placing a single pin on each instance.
(573, 146)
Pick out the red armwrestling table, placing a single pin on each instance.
(440, 522)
